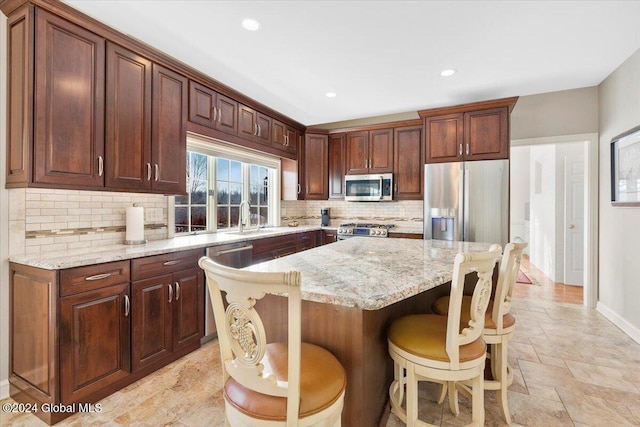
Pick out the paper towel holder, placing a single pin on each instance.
(141, 219)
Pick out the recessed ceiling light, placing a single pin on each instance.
(251, 24)
(331, 94)
(447, 73)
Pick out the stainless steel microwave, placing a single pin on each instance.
(369, 188)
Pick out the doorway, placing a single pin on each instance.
(553, 207)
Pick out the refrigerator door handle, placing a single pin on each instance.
(465, 211)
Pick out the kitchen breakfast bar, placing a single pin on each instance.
(352, 290)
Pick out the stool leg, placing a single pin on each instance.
(502, 376)
(477, 400)
(412, 396)
(443, 393)
(453, 398)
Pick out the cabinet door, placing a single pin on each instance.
(486, 134)
(69, 104)
(329, 236)
(202, 101)
(264, 128)
(94, 341)
(188, 307)
(337, 149)
(226, 114)
(316, 160)
(291, 141)
(128, 120)
(247, 122)
(381, 151)
(408, 166)
(357, 154)
(151, 332)
(278, 134)
(169, 134)
(444, 138)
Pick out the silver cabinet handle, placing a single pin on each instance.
(170, 293)
(97, 277)
(461, 149)
(177, 291)
(100, 165)
(148, 171)
(395, 187)
(467, 148)
(259, 129)
(215, 114)
(127, 306)
(219, 115)
(172, 262)
(298, 188)
(156, 170)
(366, 163)
(255, 129)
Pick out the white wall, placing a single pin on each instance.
(520, 173)
(619, 233)
(542, 191)
(4, 221)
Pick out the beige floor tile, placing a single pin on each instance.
(603, 376)
(592, 410)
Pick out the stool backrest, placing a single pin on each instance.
(509, 267)
(483, 263)
(241, 333)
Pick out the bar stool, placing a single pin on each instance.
(429, 347)
(499, 326)
(277, 384)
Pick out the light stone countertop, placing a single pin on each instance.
(370, 273)
(99, 255)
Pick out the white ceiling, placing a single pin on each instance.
(384, 57)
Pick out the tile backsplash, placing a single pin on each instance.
(46, 220)
(406, 215)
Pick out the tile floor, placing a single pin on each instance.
(572, 367)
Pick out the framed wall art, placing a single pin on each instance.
(625, 168)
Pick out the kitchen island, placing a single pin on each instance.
(352, 290)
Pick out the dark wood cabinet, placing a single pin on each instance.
(247, 122)
(68, 143)
(478, 131)
(94, 341)
(316, 162)
(264, 128)
(284, 137)
(408, 165)
(369, 151)
(212, 109)
(279, 246)
(169, 131)
(329, 236)
(128, 120)
(337, 152)
(168, 306)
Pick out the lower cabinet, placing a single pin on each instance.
(79, 334)
(276, 247)
(329, 236)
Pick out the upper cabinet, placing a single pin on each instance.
(369, 151)
(68, 140)
(253, 125)
(337, 150)
(408, 167)
(212, 109)
(478, 131)
(316, 159)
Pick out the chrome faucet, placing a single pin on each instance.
(240, 221)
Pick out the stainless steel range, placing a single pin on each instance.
(368, 230)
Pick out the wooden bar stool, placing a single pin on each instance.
(276, 384)
(499, 326)
(429, 347)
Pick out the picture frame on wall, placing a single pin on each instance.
(625, 168)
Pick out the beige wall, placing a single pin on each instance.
(568, 112)
(619, 292)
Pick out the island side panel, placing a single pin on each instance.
(339, 330)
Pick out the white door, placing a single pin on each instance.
(574, 219)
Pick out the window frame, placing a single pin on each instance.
(216, 148)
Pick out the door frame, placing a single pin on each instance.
(590, 141)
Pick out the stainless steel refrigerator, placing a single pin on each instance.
(467, 201)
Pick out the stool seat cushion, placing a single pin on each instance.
(322, 381)
(425, 335)
(441, 307)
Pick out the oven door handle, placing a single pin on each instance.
(381, 187)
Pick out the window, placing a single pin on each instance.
(219, 179)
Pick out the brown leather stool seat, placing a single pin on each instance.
(322, 382)
(441, 307)
(425, 335)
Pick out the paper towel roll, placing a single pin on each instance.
(135, 225)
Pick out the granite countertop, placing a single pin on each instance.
(371, 273)
(98, 255)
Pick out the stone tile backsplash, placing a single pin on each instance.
(46, 220)
(406, 215)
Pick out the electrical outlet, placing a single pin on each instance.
(153, 214)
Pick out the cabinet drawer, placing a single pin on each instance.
(157, 265)
(91, 277)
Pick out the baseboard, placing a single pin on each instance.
(4, 389)
(620, 322)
